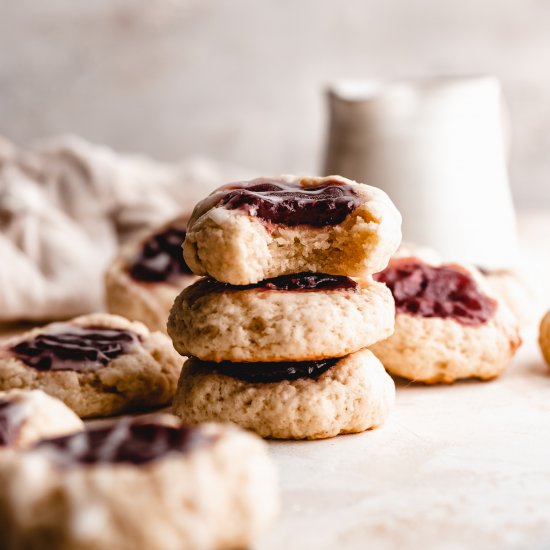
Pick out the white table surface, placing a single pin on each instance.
(459, 466)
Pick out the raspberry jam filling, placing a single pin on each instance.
(70, 347)
(126, 441)
(448, 291)
(290, 204)
(161, 258)
(12, 415)
(275, 372)
(297, 282)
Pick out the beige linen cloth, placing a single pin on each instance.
(66, 205)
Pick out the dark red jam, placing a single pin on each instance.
(125, 441)
(448, 291)
(69, 347)
(308, 281)
(12, 414)
(161, 258)
(274, 372)
(297, 282)
(291, 204)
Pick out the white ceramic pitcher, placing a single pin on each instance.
(437, 147)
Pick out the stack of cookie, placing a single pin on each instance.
(277, 331)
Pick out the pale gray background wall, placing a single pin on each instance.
(241, 80)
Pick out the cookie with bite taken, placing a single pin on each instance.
(449, 326)
(246, 232)
(144, 483)
(98, 365)
(147, 275)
